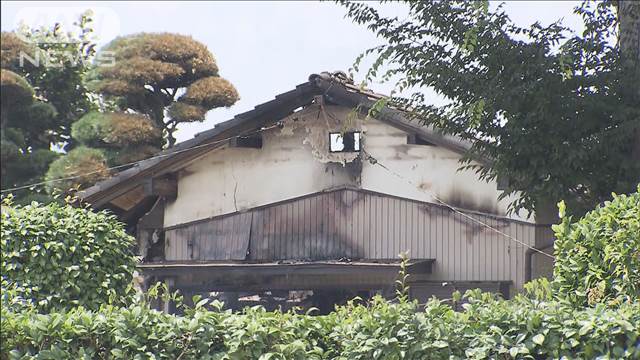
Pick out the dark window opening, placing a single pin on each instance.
(344, 142)
(503, 182)
(416, 140)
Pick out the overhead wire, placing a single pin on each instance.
(375, 161)
(133, 163)
(370, 158)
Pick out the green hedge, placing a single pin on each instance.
(57, 256)
(488, 328)
(598, 256)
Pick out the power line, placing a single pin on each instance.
(279, 124)
(453, 208)
(140, 161)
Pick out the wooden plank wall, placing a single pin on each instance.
(358, 224)
(226, 238)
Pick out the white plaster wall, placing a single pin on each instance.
(295, 161)
(288, 165)
(428, 173)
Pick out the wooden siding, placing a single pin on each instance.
(221, 239)
(358, 224)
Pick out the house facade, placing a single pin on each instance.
(306, 200)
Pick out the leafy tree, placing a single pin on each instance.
(42, 94)
(598, 256)
(65, 58)
(169, 78)
(24, 122)
(557, 111)
(62, 256)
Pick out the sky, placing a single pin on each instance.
(263, 47)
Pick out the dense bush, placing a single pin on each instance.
(80, 168)
(598, 257)
(488, 328)
(61, 256)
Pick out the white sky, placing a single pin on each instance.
(263, 48)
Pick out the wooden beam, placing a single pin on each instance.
(166, 186)
(252, 142)
(130, 199)
(270, 269)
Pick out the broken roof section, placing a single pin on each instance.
(335, 87)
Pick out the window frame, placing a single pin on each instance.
(357, 143)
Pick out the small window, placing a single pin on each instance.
(344, 142)
(416, 140)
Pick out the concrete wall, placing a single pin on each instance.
(296, 161)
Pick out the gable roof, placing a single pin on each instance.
(335, 87)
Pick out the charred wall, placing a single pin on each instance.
(358, 224)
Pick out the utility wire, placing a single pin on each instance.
(453, 208)
(437, 198)
(278, 124)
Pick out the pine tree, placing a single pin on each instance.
(169, 78)
(42, 95)
(156, 82)
(24, 120)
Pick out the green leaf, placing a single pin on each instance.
(538, 339)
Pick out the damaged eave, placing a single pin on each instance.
(334, 87)
(169, 160)
(351, 96)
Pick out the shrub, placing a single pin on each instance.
(114, 129)
(487, 328)
(60, 257)
(81, 167)
(598, 257)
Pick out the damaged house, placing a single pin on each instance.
(306, 201)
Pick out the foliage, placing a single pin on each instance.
(59, 257)
(598, 256)
(114, 130)
(151, 72)
(106, 139)
(65, 60)
(15, 89)
(211, 92)
(79, 168)
(48, 66)
(555, 110)
(187, 113)
(487, 328)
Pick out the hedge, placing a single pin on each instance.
(57, 256)
(598, 256)
(487, 328)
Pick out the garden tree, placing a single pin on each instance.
(156, 82)
(107, 139)
(60, 256)
(630, 50)
(557, 111)
(52, 64)
(79, 168)
(24, 121)
(65, 58)
(169, 78)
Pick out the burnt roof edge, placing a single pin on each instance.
(335, 86)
